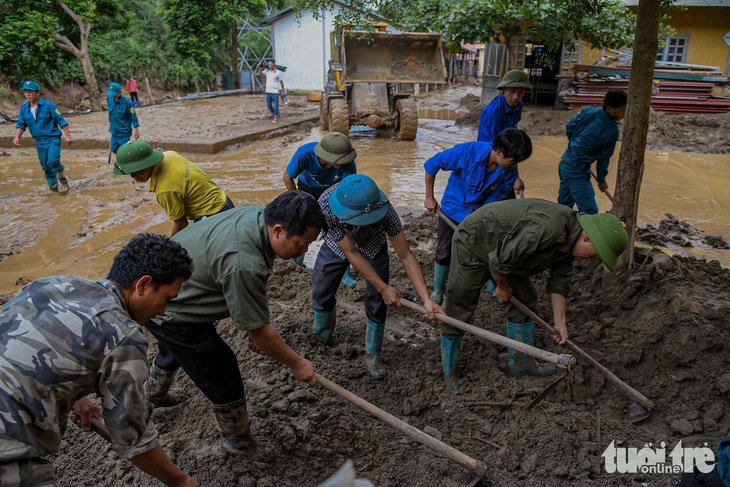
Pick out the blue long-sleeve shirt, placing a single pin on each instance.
(122, 116)
(471, 184)
(592, 136)
(305, 165)
(497, 116)
(47, 122)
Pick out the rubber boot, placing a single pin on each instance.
(324, 324)
(62, 182)
(298, 260)
(450, 354)
(235, 428)
(440, 278)
(157, 387)
(520, 363)
(347, 280)
(373, 346)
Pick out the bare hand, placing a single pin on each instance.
(430, 204)
(391, 297)
(603, 187)
(254, 347)
(503, 293)
(562, 336)
(519, 185)
(68, 140)
(82, 412)
(304, 371)
(431, 310)
(16, 141)
(136, 134)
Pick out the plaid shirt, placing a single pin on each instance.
(368, 240)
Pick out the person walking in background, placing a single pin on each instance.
(504, 112)
(131, 86)
(592, 136)
(46, 124)
(274, 84)
(122, 117)
(182, 188)
(64, 338)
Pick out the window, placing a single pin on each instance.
(674, 50)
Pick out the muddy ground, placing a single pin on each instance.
(662, 328)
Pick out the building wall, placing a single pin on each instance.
(705, 27)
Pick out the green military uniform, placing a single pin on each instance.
(518, 238)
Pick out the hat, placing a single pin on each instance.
(136, 155)
(335, 148)
(30, 85)
(357, 200)
(113, 89)
(515, 79)
(607, 235)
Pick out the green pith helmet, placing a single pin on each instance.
(136, 155)
(335, 148)
(607, 235)
(515, 79)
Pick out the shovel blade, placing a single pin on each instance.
(636, 413)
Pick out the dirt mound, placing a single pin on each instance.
(662, 328)
(672, 232)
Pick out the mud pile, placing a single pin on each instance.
(662, 328)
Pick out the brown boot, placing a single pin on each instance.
(235, 428)
(157, 386)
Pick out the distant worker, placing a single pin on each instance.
(274, 84)
(592, 136)
(122, 117)
(66, 337)
(45, 123)
(505, 111)
(508, 242)
(360, 219)
(233, 255)
(481, 173)
(181, 187)
(131, 86)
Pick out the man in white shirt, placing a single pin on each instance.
(274, 83)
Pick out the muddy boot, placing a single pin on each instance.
(157, 386)
(440, 278)
(235, 428)
(53, 188)
(62, 182)
(450, 353)
(324, 325)
(347, 280)
(373, 346)
(520, 363)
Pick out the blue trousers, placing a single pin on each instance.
(118, 141)
(49, 154)
(576, 189)
(327, 274)
(272, 103)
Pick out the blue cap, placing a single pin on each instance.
(358, 201)
(113, 89)
(30, 85)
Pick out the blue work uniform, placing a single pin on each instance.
(45, 128)
(497, 116)
(122, 118)
(313, 177)
(592, 136)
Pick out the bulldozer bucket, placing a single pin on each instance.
(380, 57)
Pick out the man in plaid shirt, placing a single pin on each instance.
(360, 218)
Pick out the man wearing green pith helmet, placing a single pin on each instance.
(508, 242)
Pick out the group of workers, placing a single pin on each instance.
(180, 287)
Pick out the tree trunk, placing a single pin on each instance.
(234, 56)
(82, 54)
(633, 141)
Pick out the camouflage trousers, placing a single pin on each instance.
(34, 472)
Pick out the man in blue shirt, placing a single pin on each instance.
(592, 136)
(505, 111)
(481, 173)
(122, 117)
(45, 123)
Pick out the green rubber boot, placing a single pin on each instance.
(450, 354)
(373, 346)
(324, 325)
(520, 363)
(440, 278)
(235, 428)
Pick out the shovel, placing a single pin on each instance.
(607, 192)
(475, 466)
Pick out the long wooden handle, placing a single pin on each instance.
(440, 447)
(607, 192)
(563, 360)
(101, 430)
(635, 395)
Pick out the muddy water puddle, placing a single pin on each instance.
(80, 233)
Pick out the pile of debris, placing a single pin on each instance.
(675, 90)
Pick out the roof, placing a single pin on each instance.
(688, 3)
(291, 10)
